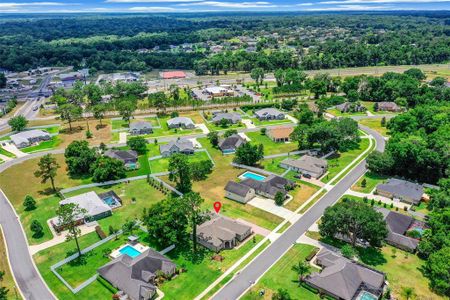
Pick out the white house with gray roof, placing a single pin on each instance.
(29, 137)
(137, 277)
(405, 191)
(269, 114)
(306, 164)
(239, 192)
(178, 146)
(232, 118)
(344, 279)
(140, 127)
(221, 232)
(181, 122)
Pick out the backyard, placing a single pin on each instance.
(271, 147)
(162, 164)
(281, 276)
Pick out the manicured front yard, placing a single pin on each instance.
(270, 147)
(372, 180)
(281, 276)
(339, 162)
(199, 276)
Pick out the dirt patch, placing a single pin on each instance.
(100, 133)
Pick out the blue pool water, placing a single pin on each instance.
(110, 201)
(130, 251)
(367, 296)
(253, 176)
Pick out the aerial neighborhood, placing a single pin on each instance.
(170, 153)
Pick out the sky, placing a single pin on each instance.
(180, 6)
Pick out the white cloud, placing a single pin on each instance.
(16, 4)
(257, 4)
(151, 1)
(155, 9)
(351, 8)
(305, 4)
(381, 1)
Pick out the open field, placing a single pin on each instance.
(162, 164)
(271, 147)
(8, 280)
(302, 192)
(282, 276)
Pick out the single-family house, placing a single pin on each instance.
(269, 114)
(405, 191)
(94, 206)
(178, 146)
(128, 157)
(221, 232)
(306, 164)
(398, 225)
(239, 192)
(231, 143)
(245, 190)
(136, 277)
(181, 122)
(350, 107)
(280, 134)
(29, 137)
(387, 106)
(140, 127)
(232, 118)
(344, 279)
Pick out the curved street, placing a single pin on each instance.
(255, 269)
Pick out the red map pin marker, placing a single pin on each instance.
(217, 206)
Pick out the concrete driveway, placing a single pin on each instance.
(203, 128)
(10, 147)
(270, 206)
(248, 123)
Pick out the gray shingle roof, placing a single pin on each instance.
(181, 145)
(343, 278)
(232, 117)
(402, 188)
(308, 163)
(180, 120)
(268, 112)
(90, 201)
(237, 188)
(231, 142)
(132, 276)
(123, 155)
(220, 229)
(25, 136)
(140, 125)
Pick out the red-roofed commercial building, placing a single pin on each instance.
(173, 75)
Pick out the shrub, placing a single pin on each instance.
(348, 251)
(101, 234)
(29, 203)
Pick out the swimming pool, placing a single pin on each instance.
(366, 296)
(130, 251)
(251, 175)
(110, 201)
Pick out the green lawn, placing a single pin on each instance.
(372, 180)
(214, 127)
(199, 276)
(336, 164)
(54, 142)
(48, 257)
(370, 107)
(375, 124)
(272, 164)
(270, 147)
(6, 153)
(162, 164)
(281, 276)
(337, 113)
(144, 167)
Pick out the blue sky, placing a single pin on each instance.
(159, 6)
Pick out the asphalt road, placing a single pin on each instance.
(250, 274)
(27, 276)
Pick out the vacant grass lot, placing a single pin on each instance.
(372, 180)
(302, 192)
(281, 276)
(273, 164)
(375, 124)
(199, 276)
(339, 162)
(162, 164)
(212, 189)
(48, 257)
(270, 147)
(8, 280)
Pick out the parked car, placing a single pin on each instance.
(307, 176)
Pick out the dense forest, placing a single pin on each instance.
(110, 42)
